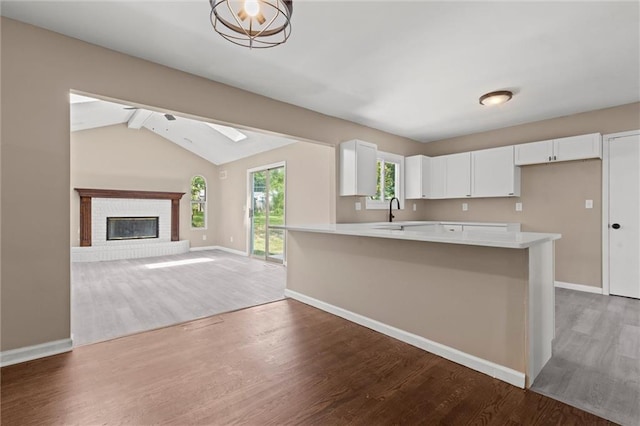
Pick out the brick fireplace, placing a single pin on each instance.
(104, 209)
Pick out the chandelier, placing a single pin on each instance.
(252, 23)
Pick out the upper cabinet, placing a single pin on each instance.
(457, 179)
(438, 187)
(358, 161)
(577, 147)
(417, 177)
(564, 149)
(494, 173)
(486, 173)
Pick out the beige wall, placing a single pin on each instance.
(116, 157)
(310, 174)
(553, 195)
(468, 298)
(38, 70)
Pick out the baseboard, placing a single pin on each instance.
(579, 287)
(203, 248)
(513, 377)
(221, 248)
(29, 353)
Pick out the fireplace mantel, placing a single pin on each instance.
(87, 194)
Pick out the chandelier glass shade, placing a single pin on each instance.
(252, 23)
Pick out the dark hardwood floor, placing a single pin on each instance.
(280, 363)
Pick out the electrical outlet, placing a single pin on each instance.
(414, 207)
(518, 207)
(230, 239)
(358, 206)
(204, 237)
(465, 207)
(588, 204)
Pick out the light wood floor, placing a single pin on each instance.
(596, 356)
(117, 298)
(280, 363)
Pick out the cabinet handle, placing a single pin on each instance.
(511, 193)
(554, 158)
(549, 158)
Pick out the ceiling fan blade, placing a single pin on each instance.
(261, 19)
(242, 14)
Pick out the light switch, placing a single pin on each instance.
(518, 207)
(588, 204)
(358, 205)
(465, 207)
(414, 207)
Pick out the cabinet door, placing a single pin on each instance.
(534, 153)
(438, 175)
(358, 162)
(417, 177)
(367, 163)
(578, 147)
(494, 173)
(458, 175)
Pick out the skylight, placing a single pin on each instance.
(229, 132)
(79, 99)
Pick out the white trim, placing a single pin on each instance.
(516, 378)
(267, 167)
(28, 353)
(579, 287)
(221, 248)
(606, 140)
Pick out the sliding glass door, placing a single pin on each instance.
(266, 214)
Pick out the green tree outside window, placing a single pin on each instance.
(198, 202)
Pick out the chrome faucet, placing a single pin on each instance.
(391, 216)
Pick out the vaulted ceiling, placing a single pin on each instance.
(413, 68)
(213, 142)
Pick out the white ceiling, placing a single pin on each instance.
(196, 136)
(412, 68)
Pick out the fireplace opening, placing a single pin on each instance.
(132, 228)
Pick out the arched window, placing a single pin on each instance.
(198, 203)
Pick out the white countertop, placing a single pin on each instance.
(517, 240)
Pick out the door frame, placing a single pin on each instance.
(606, 143)
(248, 203)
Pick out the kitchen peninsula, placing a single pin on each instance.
(481, 295)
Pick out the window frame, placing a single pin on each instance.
(388, 157)
(205, 203)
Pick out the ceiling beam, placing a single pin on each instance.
(138, 118)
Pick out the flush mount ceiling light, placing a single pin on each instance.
(495, 98)
(252, 23)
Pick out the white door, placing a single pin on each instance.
(624, 216)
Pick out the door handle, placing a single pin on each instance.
(616, 226)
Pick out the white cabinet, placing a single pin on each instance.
(417, 177)
(580, 147)
(438, 175)
(534, 153)
(457, 175)
(494, 173)
(358, 160)
(577, 147)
